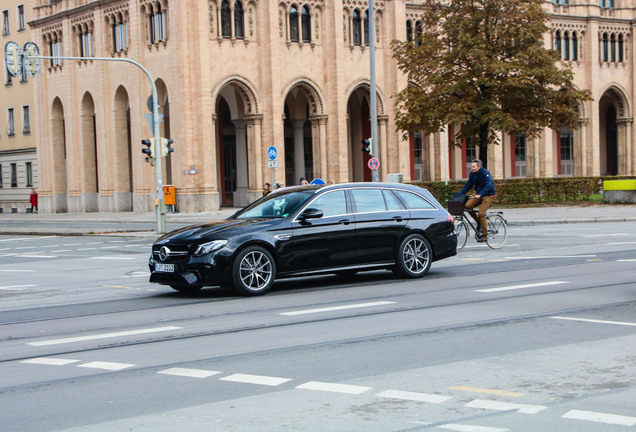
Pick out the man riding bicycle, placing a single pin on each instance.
(484, 195)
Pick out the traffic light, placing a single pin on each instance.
(366, 146)
(165, 147)
(31, 64)
(13, 58)
(149, 151)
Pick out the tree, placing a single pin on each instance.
(483, 64)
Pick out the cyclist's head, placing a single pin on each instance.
(475, 165)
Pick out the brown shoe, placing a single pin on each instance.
(482, 239)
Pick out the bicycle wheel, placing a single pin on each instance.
(497, 231)
(461, 229)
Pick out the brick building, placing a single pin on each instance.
(235, 77)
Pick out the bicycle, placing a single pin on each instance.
(497, 226)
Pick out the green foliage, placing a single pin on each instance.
(482, 64)
(556, 190)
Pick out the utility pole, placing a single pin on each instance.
(375, 175)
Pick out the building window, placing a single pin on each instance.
(118, 23)
(563, 2)
(239, 21)
(357, 28)
(10, 122)
(5, 22)
(26, 120)
(575, 46)
(604, 48)
(29, 174)
(293, 23)
(567, 152)
(157, 24)
(557, 41)
(520, 156)
(306, 24)
(409, 31)
(607, 3)
(14, 175)
(21, 20)
(366, 27)
(84, 34)
(0, 175)
(53, 41)
(226, 19)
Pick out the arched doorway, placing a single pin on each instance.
(359, 116)
(299, 151)
(89, 178)
(613, 129)
(123, 170)
(58, 160)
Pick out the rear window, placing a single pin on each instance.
(414, 201)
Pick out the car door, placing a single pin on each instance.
(324, 242)
(380, 221)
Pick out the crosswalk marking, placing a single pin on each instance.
(595, 321)
(335, 388)
(600, 417)
(111, 366)
(413, 396)
(505, 406)
(49, 361)
(470, 428)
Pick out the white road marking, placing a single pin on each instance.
(603, 235)
(15, 239)
(137, 274)
(16, 287)
(49, 361)
(627, 260)
(192, 373)
(469, 428)
(505, 406)
(337, 308)
(413, 396)
(61, 250)
(104, 336)
(25, 247)
(36, 256)
(335, 388)
(112, 366)
(89, 248)
(595, 321)
(622, 243)
(113, 258)
(550, 257)
(515, 287)
(600, 417)
(18, 271)
(256, 379)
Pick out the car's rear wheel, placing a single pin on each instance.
(414, 257)
(253, 271)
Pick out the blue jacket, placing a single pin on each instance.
(483, 182)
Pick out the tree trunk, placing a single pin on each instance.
(484, 130)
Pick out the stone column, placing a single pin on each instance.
(387, 163)
(242, 158)
(622, 147)
(256, 156)
(299, 150)
(319, 145)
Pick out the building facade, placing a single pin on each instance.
(236, 77)
(18, 161)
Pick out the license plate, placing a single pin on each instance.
(164, 267)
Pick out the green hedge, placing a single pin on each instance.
(528, 190)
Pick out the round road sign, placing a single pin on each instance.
(374, 163)
(272, 153)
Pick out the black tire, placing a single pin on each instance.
(461, 229)
(414, 257)
(186, 289)
(497, 231)
(253, 271)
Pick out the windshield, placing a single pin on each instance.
(274, 205)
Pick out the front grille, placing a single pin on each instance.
(170, 253)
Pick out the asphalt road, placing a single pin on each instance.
(537, 336)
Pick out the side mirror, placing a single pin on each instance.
(311, 213)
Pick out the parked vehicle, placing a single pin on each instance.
(308, 230)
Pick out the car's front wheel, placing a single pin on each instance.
(253, 271)
(414, 257)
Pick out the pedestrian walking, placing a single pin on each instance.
(33, 199)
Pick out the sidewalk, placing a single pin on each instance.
(145, 224)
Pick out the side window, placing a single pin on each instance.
(331, 203)
(414, 201)
(368, 200)
(391, 201)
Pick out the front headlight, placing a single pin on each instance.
(209, 247)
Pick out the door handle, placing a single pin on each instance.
(398, 218)
(344, 221)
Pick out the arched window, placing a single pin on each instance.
(566, 46)
(604, 48)
(557, 41)
(239, 25)
(293, 23)
(409, 31)
(575, 46)
(306, 24)
(613, 47)
(621, 46)
(226, 19)
(357, 30)
(366, 27)
(418, 33)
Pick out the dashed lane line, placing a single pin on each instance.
(470, 428)
(16, 287)
(333, 387)
(49, 361)
(413, 396)
(627, 260)
(17, 271)
(256, 379)
(112, 258)
(104, 336)
(523, 286)
(336, 308)
(505, 406)
(600, 417)
(191, 373)
(594, 321)
(111, 366)
(487, 391)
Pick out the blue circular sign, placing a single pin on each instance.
(317, 181)
(272, 153)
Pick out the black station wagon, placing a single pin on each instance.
(308, 230)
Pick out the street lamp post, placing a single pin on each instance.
(375, 175)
